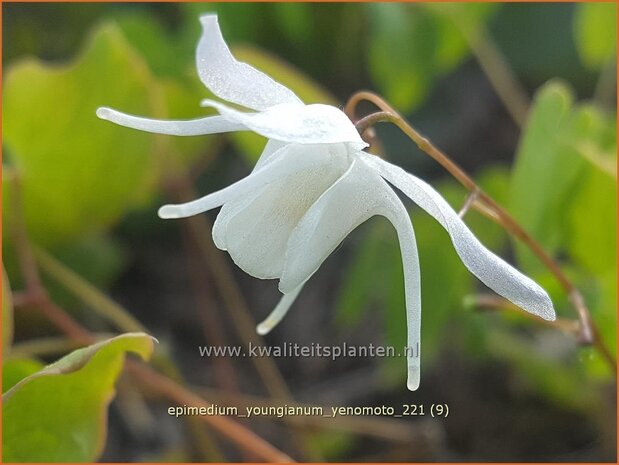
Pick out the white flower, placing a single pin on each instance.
(313, 185)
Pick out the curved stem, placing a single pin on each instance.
(588, 333)
(96, 300)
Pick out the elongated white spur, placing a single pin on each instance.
(312, 185)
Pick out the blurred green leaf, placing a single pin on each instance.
(62, 408)
(593, 222)
(402, 44)
(96, 258)
(561, 382)
(544, 172)
(595, 32)
(16, 369)
(604, 312)
(366, 265)
(157, 45)
(563, 190)
(332, 444)
(7, 315)
(79, 173)
(295, 19)
(412, 45)
(563, 187)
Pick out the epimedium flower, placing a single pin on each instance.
(313, 185)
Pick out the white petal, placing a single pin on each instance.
(490, 269)
(271, 148)
(358, 195)
(412, 285)
(194, 127)
(278, 312)
(307, 124)
(232, 208)
(257, 230)
(232, 80)
(292, 159)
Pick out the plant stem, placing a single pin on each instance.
(89, 294)
(495, 302)
(587, 334)
(28, 265)
(495, 67)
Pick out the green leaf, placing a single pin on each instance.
(59, 413)
(563, 184)
(79, 173)
(544, 172)
(595, 32)
(96, 258)
(161, 50)
(295, 20)
(16, 369)
(401, 52)
(249, 143)
(593, 222)
(7, 315)
(562, 383)
(411, 46)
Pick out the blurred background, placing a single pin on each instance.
(522, 96)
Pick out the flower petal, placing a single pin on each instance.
(232, 208)
(278, 313)
(307, 124)
(293, 158)
(208, 125)
(412, 289)
(358, 195)
(490, 269)
(232, 80)
(258, 226)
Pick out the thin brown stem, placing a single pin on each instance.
(207, 314)
(29, 270)
(496, 68)
(199, 229)
(588, 333)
